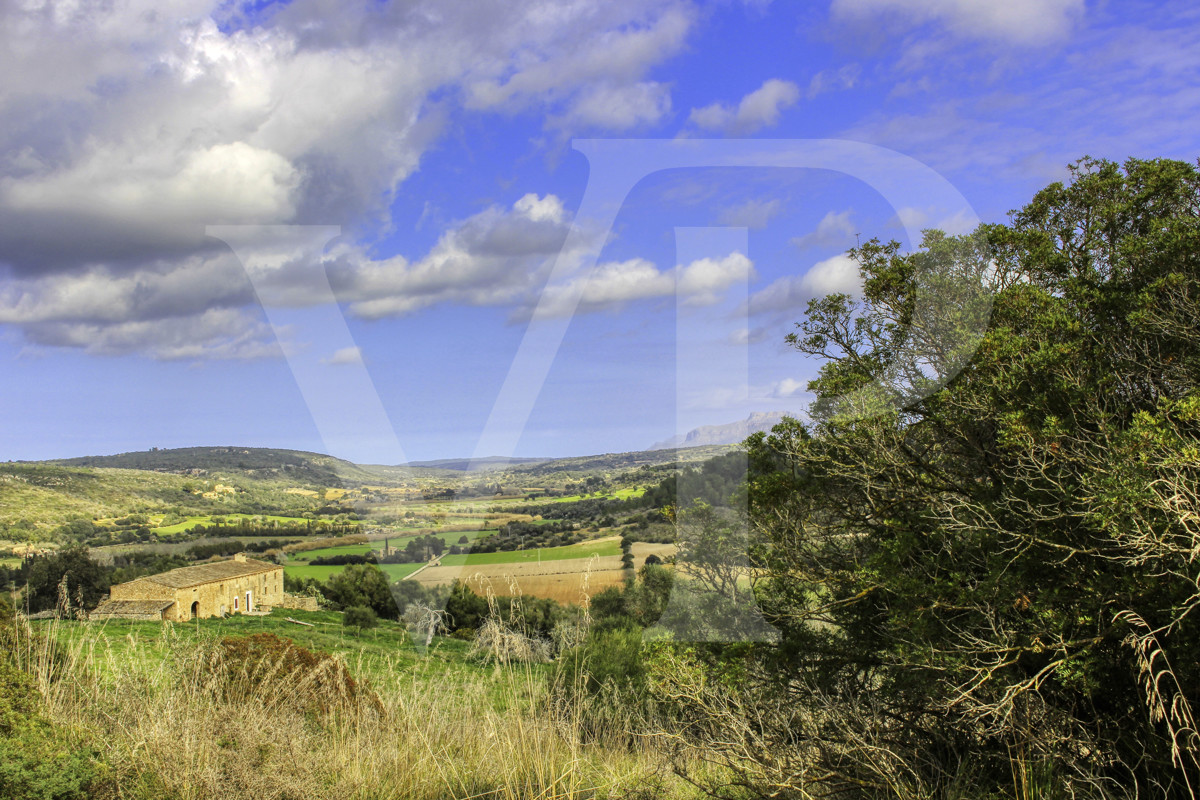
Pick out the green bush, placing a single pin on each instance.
(359, 617)
(612, 657)
(36, 760)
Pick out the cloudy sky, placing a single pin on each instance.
(433, 228)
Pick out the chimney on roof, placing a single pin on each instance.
(240, 557)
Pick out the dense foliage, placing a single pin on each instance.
(86, 581)
(986, 576)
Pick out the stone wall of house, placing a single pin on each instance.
(227, 596)
(222, 596)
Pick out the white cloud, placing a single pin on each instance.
(919, 219)
(118, 183)
(603, 60)
(214, 334)
(759, 109)
(617, 108)
(835, 229)
(1016, 21)
(837, 275)
(146, 122)
(788, 387)
(615, 284)
(496, 257)
(99, 296)
(832, 80)
(347, 356)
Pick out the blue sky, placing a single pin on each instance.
(468, 305)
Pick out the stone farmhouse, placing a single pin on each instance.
(237, 585)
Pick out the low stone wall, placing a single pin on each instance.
(300, 602)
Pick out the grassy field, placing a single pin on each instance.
(193, 521)
(599, 547)
(299, 566)
(618, 494)
(328, 552)
(376, 653)
(428, 727)
(395, 572)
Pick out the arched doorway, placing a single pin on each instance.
(195, 609)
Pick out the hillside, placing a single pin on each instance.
(611, 462)
(253, 462)
(316, 470)
(488, 464)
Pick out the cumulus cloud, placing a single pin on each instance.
(837, 275)
(617, 108)
(788, 387)
(98, 295)
(499, 256)
(496, 257)
(347, 356)
(146, 124)
(759, 109)
(1015, 21)
(615, 284)
(834, 230)
(219, 333)
(595, 74)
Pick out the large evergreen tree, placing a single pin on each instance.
(984, 564)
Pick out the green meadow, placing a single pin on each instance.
(607, 547)
(193, 521)
(395, 572)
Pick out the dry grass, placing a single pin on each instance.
(172, 728)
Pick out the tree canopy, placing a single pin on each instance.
(981, 550)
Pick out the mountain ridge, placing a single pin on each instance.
(729, 433)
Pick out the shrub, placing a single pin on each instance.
(361, 585)
(608, 657)
(601, 685)
(36, 760)
(359, 617)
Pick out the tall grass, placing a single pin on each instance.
(163, 715)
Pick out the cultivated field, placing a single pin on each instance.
(564, 580)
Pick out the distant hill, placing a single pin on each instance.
(730, 433)
(316, 469)
(36, 497)
(613, 462)
(489, 464)
(254, 462)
